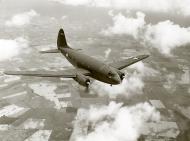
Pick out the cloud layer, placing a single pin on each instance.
(21, 19)
(11, 48)
(164, 36)
(113, 122)
(161, 6)
(131, 85)
(123, 25)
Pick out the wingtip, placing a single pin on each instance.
(143, 56)
(42, 52)
(7, 72)
(146, 55)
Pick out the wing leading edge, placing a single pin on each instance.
(127, 62)
(71, 73)
(41, 74)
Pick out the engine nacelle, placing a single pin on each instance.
(121, 75)
(82, 80)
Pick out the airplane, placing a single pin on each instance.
(85, 67)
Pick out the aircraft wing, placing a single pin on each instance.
(127, 62)
(71, 73)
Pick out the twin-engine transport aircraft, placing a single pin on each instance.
(86, 67)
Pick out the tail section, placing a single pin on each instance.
(61, 40)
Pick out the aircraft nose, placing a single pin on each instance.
(117, 79)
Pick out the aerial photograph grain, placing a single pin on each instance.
(94, 70)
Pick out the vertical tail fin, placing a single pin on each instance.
(61, 40)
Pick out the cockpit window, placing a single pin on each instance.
(110, 74)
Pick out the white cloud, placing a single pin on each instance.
(126, 25)
(123, 25)
(161, 6)
(11, 48)
(170, 83)
(131, 85)
(143, 69)
(164, 36)
(113, 122)
(21, 19)
(107, 52)
(64, 17)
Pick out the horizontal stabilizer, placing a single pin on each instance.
(78, 49)
(51, 51)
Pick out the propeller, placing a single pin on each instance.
(122, 76)
(88, 82)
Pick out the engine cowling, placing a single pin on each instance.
(121, 75)
(82, 80)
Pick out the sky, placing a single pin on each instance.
(106, 30)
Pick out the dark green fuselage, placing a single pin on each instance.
(98, 70)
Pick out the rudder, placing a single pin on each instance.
(61, 40)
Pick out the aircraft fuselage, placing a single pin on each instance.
(98, 69)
